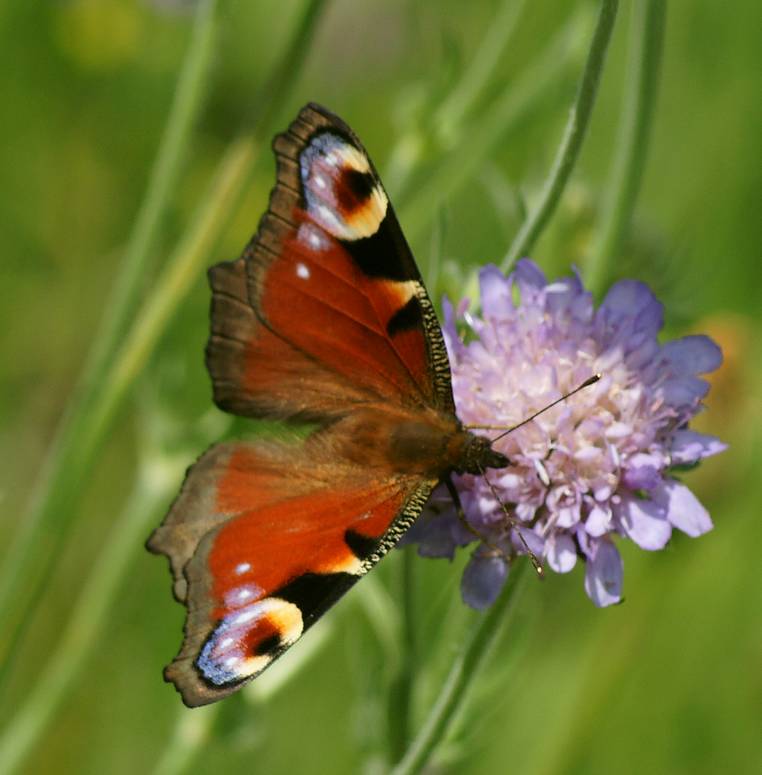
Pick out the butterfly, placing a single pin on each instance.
(324, 319)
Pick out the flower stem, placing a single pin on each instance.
(418, 203)
(62, 473)
(475, 78)
(644, 60)
(85, 622)
(401, 691)
(461, 675)
(571, 142)
(190, 734)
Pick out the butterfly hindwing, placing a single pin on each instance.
(263, 539)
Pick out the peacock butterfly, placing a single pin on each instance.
(324, 319)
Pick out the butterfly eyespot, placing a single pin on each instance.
(341, 193)
(354, 189)
(267, 646)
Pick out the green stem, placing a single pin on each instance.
(462, 673)
(401, 691)
(191, 732)
(61, 476)
(644, 60)
(480, 69)
(571, 142)
(277, 91)
(85, 622)
(418, 203)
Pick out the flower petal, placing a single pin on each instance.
(634, 300)
(683, 509)
(695, 354)
(598, 521)
(535, 543)
(684, 390)
(568, 295)
(645, 522)
(453, 342)
(529, 277)
(603, 574)
(437, 535)
(495, 292)
(690, 446)
(561, 552)
(482, 580)
(642, 472)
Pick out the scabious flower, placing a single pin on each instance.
(598, 467)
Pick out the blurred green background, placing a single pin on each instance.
(668, 682)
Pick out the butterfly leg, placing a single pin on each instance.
(452, 489)
(461, 514)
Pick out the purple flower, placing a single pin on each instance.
(598, 466)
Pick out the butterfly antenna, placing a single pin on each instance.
(590, 381)
(509, 517)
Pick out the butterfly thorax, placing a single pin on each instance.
(426, 443)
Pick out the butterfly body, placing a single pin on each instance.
(429, 444)
(323, 319)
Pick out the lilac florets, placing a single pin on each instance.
(602, 464)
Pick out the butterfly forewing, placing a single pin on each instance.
(323, 318)
(257, 373)
(330, 271)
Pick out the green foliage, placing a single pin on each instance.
(464, 106)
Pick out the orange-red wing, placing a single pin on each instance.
(256, 373)
(262, 541)
(340, 310)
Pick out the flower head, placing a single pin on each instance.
(599, 466)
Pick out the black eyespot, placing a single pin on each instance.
(354, 188)
(267, 646)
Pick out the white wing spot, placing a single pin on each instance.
(244, 617)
